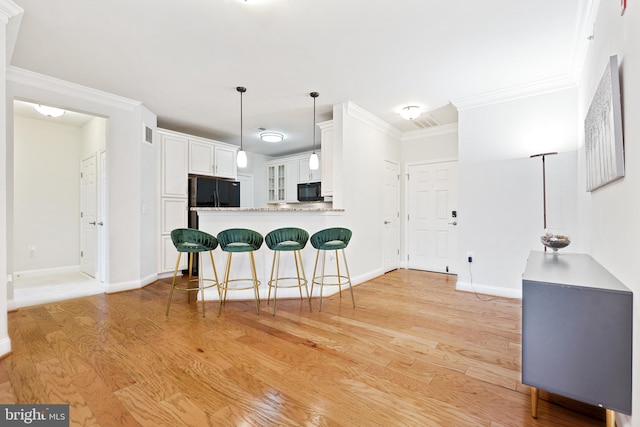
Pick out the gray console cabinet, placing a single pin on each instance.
(576, 331)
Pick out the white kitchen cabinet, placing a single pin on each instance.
(169, 256)
(174, 164)
(276, 180)
(201, 158)
(291, 180)
(307, 175)
(225, 165)
(173, 214)
(212, 159)
(181, 155)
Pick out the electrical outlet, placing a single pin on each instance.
(469, 257)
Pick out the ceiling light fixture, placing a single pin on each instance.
(411, 112)
(241, 158)
(273, 137)
(314, 163)
(49, 111)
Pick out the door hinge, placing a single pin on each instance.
(81, 254)
(407, 257)
(398, 251)
(81, 215)
(407, 177)
(408, 217)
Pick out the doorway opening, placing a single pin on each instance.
(59, 199)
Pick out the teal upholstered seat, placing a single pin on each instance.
(289, 239)
(236, 240)
(331, 239)
(240, 240)
(192, 241)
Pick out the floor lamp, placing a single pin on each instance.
(544, 186)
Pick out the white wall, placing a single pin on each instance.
(364, 142)
(10, 17)
(500, 211)
(94, 137)
(46, 195)
(148, 175)
(428, 145)
(610, 214)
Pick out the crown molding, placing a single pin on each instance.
(429, 132)
(8, 10)
(11, 15)
(583, 33)
(52, 84)
(364, 116)
(515, 92)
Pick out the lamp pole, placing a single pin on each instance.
(544, 186)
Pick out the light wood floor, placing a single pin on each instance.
(413, 353)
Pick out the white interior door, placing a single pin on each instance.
(101, 259)
(246, 190)
(391, 216)
(88, 215)
(432, 200)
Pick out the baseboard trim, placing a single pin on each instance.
(111, 288)
(28, 274)
(5, 346)
(489, 290)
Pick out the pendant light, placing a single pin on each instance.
(314, 163)
(241, 159)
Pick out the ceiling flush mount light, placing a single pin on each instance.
(273, 137)
(49, 111)
(411, 112)
(314, 163)
(241, 159)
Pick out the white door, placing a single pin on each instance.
(391, 229)
(432, 200)
(88, 215)
(101, 266)
(246, 190)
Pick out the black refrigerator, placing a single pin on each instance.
(208, 192)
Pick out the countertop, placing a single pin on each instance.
(267, 209)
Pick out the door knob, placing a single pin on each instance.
(101, 223)
(387, 222)
(92, 223)
(454, 223)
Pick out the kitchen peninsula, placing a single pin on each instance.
(263, 220)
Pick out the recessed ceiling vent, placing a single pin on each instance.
(425, 121)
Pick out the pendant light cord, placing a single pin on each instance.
(314, 95)
(241, 90)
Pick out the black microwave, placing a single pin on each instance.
(310, 192)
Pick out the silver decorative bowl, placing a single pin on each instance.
(555, 241)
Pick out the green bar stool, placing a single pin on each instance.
(331, 239)
(240, 240)
(289, 239)
(192, 241)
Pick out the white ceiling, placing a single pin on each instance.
(183, 59)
